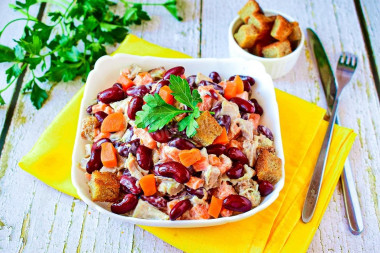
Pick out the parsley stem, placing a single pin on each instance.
(15, 20)
(146, 4)
(24, 12)
(16, 77)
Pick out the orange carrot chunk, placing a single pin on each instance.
(230, 90)
(108, 155)
(125, 82)
(195, 183)
(215, 207)
(113, 123)
(148, 185)
(189, 157)
(222, 138)
(166, 94)
(239, 84)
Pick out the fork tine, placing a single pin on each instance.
(341, 58)
(348, 59)
(355, 61)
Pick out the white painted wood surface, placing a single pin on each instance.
(37, 218)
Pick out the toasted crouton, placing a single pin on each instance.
(268, 167)
(104, 186)
(295, 36)
(249, 8)
(208, 129)
(277, 49)
(281, 28)
(262, 22)
(88, 127)
(246, 36)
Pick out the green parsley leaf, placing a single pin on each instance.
(6, 54)
(182, 93)
(38, 96)
(13, 71)
(189, 123)
(155, 113)
(2, 102)
(171, 6)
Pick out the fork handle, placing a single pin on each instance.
(316, 180)
(351, 200)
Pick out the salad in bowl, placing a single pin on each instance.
(162, 145)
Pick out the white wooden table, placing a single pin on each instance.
(37, 218)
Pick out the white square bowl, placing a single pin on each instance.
(107, 70)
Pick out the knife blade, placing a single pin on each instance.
(329, 84)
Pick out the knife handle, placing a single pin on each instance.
(350, 196)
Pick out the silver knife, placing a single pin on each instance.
(326, 75)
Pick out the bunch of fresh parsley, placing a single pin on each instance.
(156, 113)
(70, 44)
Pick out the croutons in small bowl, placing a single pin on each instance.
(281, 54)
(100, 186)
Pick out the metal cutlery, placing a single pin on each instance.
(350, 196)
(346, 67)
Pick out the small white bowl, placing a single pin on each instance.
(107, 70)
(276, 67)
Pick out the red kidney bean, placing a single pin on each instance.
(247, 80)
(125, 205)
(161, 84)
(128, 185)
(236, 171)
(173, 129)
(161, 135)
(134, 106)
(110, 95)
(128, 134)
(244, 105)
(138, 91)
(237, 155)
(156, 201)
(213, 94)
(173, 170)
(216, 108)
(191, 81)
(100, 116)
(144, 157)
(179, 209)
(89, 109)
(130, 147)
(198, 192)
(258, 109)
(265, 188)
(237, 203)
(216, 149)
(118, 85)
(95, 163)
(177, 71)
(265, 131)
(224, 120)
(215, 77)
(181, 144)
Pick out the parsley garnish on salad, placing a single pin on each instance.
(156, 113)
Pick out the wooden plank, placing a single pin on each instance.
(369, 17)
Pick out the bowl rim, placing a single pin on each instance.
(178, 223)
(259, 58)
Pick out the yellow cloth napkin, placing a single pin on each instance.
(277, 228)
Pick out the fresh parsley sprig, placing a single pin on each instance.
(156, 113)
(69, 44)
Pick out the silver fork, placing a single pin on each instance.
(344, 71)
